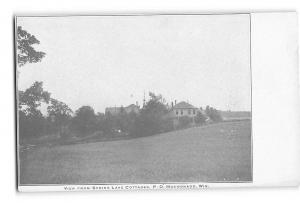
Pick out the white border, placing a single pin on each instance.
(275, 99)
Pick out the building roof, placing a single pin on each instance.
(117, 110)
(184, 105)
(132, 106)
(112, 108)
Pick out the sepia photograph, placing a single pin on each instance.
(133, 99)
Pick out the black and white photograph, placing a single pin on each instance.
(133, 99)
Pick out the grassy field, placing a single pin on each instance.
(217, 152)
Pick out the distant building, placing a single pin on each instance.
(132, 108)
(117, 110)
(183, 109)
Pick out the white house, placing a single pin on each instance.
(183, 109)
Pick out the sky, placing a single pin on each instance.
(106, 61)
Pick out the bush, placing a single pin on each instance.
(31, 127)
(184, 122)
(167, 125)
(213, 114)
(152, 118)
(200, 118)
(84, 122)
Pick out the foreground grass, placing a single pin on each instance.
(219, 152)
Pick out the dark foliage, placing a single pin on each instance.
(31, 121)
(32, 98)
(200, 118)
(184, 122)
(26, 52)
(85, 121)
(213, 114)
(85, 124)
(59, 116)
(152, 117)
(31, 126)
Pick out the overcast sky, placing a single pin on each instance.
(111, 60)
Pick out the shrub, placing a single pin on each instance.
(184, 122)
(84, 121)
(200, 118)
(213, 114)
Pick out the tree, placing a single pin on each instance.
(59, 110)
(59, 115)
(207, 110)
(152, 116)
(213, 114)
(85, 120)
(25, 50)
(131, 122)
(200, 118)
(109, 123)
(184, 122)
(31, 120)
(100, 117)
(32, 98)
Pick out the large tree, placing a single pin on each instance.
(59, 110)
(200, 118)
(59, 115)
(31, 99)
(31, 120)
(152, 118)
(213, 114)
(85, 120)
(26, 53)
(25, 50)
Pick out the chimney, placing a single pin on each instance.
(172, 104)
(175, 101)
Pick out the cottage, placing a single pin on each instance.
(112, 110)
(183, 114)
(132, 108)
(183, 109)
(117, 110)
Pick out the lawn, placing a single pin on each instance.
(216, 152)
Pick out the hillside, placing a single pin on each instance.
(218, 152)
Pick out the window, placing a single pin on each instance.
(194, 111)
(189, 111)
(181, 112)
(176, 112)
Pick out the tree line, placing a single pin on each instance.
(61, 121)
